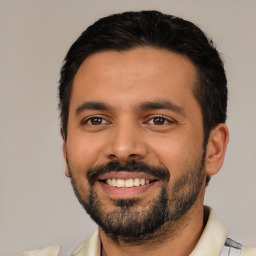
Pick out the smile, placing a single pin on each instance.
(126, 184)
(121, 183)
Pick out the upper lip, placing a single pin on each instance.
(126, 175)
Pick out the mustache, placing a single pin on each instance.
(159, 173)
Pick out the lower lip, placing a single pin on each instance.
(123, 193)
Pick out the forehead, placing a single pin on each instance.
(136, 74)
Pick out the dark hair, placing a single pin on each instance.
(128, 30)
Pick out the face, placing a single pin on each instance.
(135, 139)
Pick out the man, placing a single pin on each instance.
(143, 102)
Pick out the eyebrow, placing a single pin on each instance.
(91, 105)
(145, 106)
(162, 104)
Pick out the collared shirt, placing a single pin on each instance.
(213, 242)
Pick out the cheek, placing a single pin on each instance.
(83, 152)
(177, 152)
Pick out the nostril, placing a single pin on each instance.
(112, 156)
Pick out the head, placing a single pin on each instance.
(143, 99)
(129, 30)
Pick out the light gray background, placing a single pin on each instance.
(37, 205)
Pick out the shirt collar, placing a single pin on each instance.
(91, 246)
(212, 238)
(210, 242)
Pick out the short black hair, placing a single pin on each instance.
(128, 30)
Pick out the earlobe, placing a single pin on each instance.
(67, 172)
(64, 149)
(216, 149)
(62, 134)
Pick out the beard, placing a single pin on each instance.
(131, 222)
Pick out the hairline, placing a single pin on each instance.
(196, 85)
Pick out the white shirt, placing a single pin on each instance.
(211, 243)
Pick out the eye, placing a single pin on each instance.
(159, 120)
(95, 120)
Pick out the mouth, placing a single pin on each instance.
(126, 184)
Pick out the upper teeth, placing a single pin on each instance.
(126, 183)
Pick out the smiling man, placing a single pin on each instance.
(134, 148)
(143, 102)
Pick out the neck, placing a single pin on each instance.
(179, 238)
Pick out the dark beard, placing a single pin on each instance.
(129, 222)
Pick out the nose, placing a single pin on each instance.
(126, 143)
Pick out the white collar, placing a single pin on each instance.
(209, 244)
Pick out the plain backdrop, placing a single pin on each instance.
(37, 205)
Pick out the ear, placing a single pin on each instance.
(216, 149)
(64, 150)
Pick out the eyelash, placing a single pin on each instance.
(87, 120)
(166, 120)
(151, 119)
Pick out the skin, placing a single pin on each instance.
(123, 81)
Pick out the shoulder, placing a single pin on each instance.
(90, 247)
(248, 251)
(47, 251)
(234, 248)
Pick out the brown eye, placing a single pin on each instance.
(95, 120)
(159, 120)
